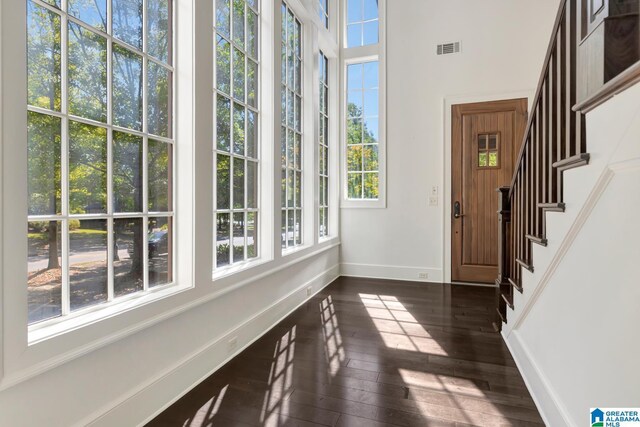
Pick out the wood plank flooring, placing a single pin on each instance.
(367, 352)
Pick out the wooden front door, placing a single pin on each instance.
(486, 139)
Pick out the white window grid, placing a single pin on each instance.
(362, 22)
(363, 172)
(65, 117)
(323, 147)
(291, 126)
(234, 212)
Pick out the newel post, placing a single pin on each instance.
(503, 287)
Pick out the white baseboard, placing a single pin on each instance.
(549, 404)
(391, 272)
(141, 405)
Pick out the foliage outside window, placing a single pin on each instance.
(362, 131)
(323, 147)
(100, 152)
(236, 143)
(291, 129)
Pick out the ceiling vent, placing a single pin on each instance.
(448, 48)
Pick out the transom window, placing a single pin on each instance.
(362, 130)
(236, 141)
(323, 147)
(100, 152)
(362, 22)
(488, 150)
(291, 129)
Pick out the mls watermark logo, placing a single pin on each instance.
(615, 417)
(597, 418)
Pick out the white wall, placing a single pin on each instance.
(574, 331)
(503, 46)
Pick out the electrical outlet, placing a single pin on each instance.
(423, 275)
(233, 344)
(434, 190)
(309, 290)
(433, 201)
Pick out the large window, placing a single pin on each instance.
(100, 152)
(323, 147)
(362, 22)
(291, 129)
(362, 130)
(236, 141)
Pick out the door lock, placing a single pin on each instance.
(456, 210)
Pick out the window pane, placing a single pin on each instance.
(127, 88)
(252, 83)
(238, 75)
(370, 9)
(223, 123)
(298, 185)
(252, 34)
(238, 22)
(238, 237)
(252, 235)
(223, 185)
(160, 247)
(354, 158)
(482, 160)
(160, 158)
(355, 76)
(370, 75)
(159, 97)
(87, 169)
(92, 12)
(238, 129)
(252, 185)
(252, 134)
(355, 186)
(44, 164)
(128, 258)
(354, 35)
(370, 158)
(223, 65)
(223, 17)
(87, 262)
(223, 230)
(87, 74)
(370, 185)
(127, 21)
(370, 103)
(354, 10)
(298, 227)
(238, 183)
(354, 131)
(493, 159)
(158, 29)
(354, 103)
(44, 265)
(43, 57)
(127, 172)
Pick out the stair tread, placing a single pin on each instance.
(537, 239)
(525, 264)
(515, 284)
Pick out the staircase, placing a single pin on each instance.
(555, 142)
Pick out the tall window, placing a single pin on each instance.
(236, 142)
(323, 147)
(100, 152)
(291, 127)
(362, 130)
(362, 22)
(323, 12)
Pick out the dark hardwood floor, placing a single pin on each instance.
(369, 352)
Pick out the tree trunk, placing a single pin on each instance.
(53, 245)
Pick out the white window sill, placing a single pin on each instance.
(60, 325)
(290, 251)
(363, 204)
(221, 273)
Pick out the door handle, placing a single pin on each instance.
(456, 210)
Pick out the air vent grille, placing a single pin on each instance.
(448, 48)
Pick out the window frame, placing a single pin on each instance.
(258, 211)
(110, 215)
(28, 345)
(356, 55)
